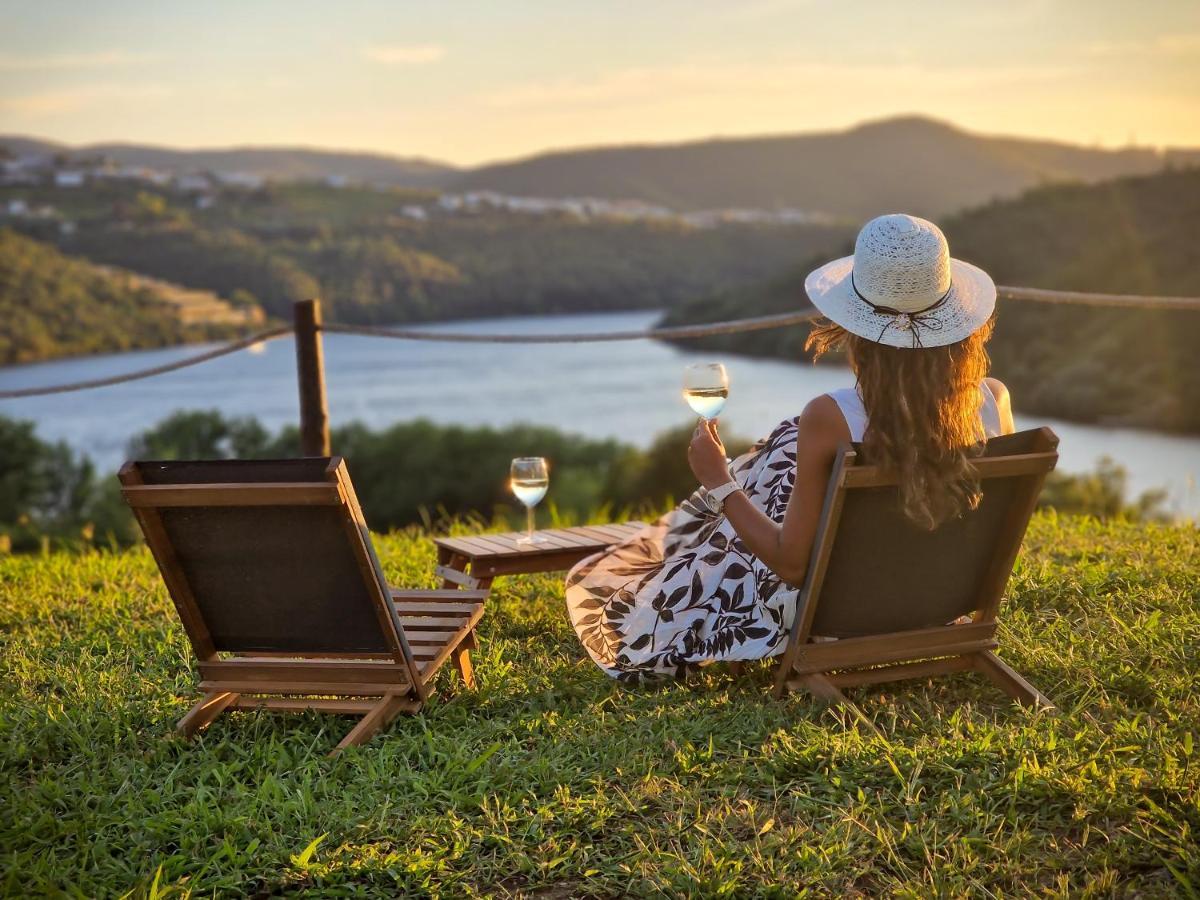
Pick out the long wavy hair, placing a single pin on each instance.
(923, 416)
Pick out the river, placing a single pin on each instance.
(627, 390)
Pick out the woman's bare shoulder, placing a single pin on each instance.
(1003, 404)
(822, 424)
(999, 390)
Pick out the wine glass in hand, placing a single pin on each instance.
(706, 388)
(530, 479)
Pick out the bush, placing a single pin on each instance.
(412, 473)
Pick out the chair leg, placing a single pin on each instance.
(782, 671)
(461, 657)
(1009, 680)
(379, 717)
(207, 708)
(819, 686)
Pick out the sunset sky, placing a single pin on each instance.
(470, 81)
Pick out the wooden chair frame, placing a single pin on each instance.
(421, 628)
(824, 668)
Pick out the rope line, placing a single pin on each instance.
(758, 323)
(224, 350)
(677, 332)
(1131, 301)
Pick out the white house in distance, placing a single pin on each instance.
(68, 178)
(192, 182)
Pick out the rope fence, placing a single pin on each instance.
(736, 326)
(215, 353)
(679, 332)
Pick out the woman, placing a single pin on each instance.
(717, 578)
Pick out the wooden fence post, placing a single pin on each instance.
(310, 372)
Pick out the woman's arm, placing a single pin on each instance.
(784, 548)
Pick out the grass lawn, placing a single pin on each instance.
(552, 781)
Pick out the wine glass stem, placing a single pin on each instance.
(529, 521)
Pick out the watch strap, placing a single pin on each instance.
(720, 493)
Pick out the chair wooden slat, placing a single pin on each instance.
(427, 622)
(437, 595)
(184, 495)
(408, 608)
(329, 688)
(437, 637)
(295, 704)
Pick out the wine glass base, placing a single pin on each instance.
(535, 539)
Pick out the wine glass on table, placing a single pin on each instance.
(530, 479)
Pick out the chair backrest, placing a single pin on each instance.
(265, 556)
(873, 571)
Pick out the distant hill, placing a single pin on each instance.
(55, 305)
(272, 162)
(909, 164)
(1132, 235)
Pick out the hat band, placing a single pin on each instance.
(912, 322)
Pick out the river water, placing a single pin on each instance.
(626, 390)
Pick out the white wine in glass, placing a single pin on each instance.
(706, 388)
(530, 479)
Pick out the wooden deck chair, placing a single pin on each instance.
(272, 570)
(887, 589)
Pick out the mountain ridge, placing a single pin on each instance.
(911, 162)
(286, 162)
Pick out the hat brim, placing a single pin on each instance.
(968, 306)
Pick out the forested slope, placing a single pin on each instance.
(1132, 235)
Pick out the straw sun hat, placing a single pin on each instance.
(901, 288)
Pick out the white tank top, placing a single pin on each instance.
(850, 402)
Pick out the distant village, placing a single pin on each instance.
(203, 190)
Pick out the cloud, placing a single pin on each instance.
(655, 83)
(1162, 45)
(49, 103)
(404, 54)
(106, 59)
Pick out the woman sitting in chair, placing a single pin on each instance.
(717, 578)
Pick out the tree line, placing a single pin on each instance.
(411, 473)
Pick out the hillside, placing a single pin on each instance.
(53, 305)
(268, 162)
(1132, 235)
(550, 780)
(915, 164)
(371, 259)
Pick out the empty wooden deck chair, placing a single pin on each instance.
(272, 570)
(887, 588)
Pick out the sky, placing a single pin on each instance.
(467, 82)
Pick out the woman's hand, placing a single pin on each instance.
(706, 455)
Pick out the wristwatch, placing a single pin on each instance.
(715, 499)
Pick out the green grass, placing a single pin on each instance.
(552, 781)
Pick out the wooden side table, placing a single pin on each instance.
(474, 561)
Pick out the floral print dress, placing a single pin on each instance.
(686, 590)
